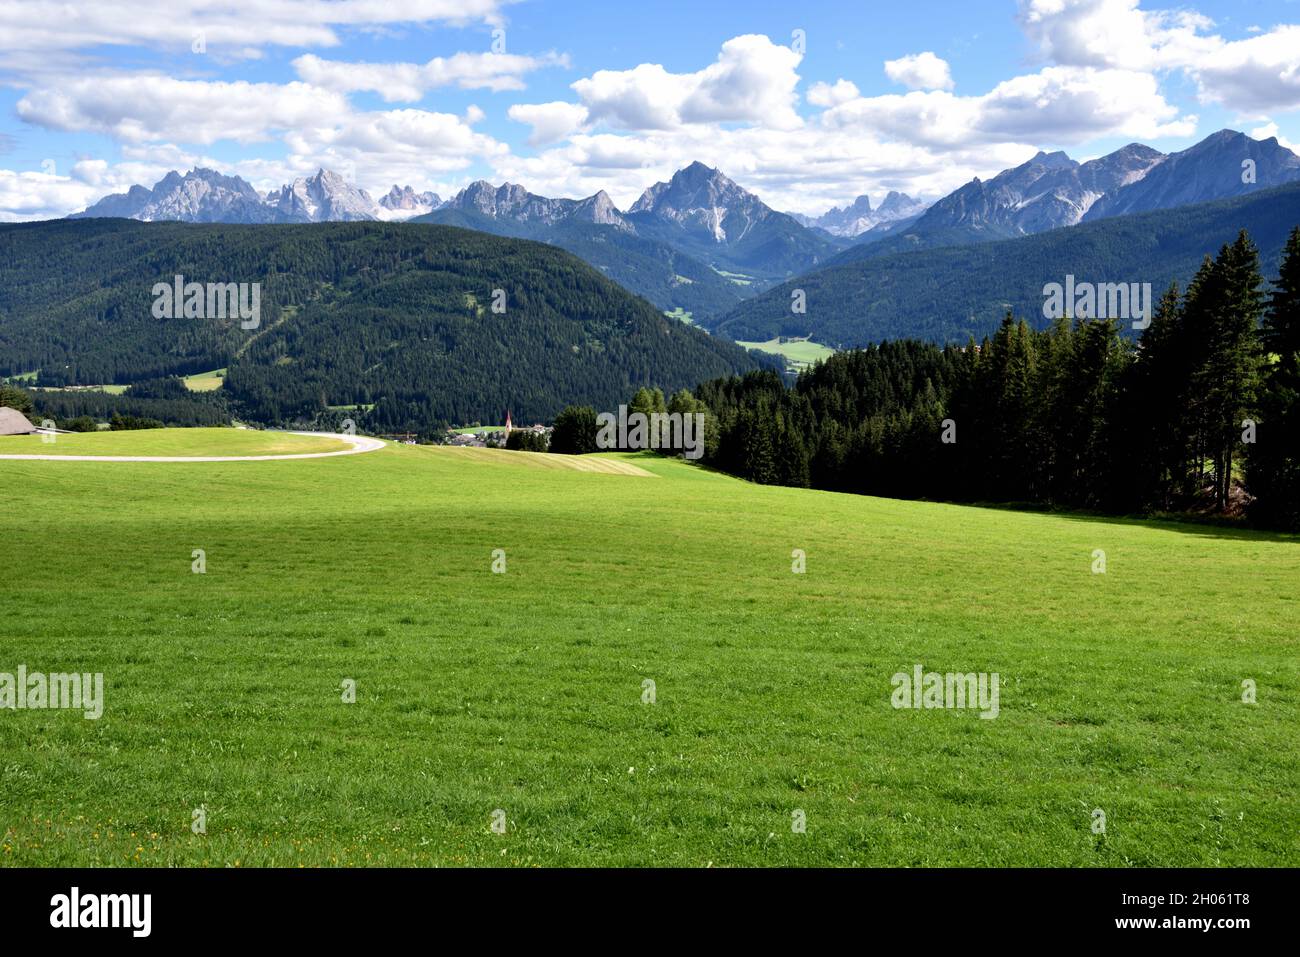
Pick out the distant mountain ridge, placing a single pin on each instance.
(701, 243)
(594, 229)
(405, 202)
(207, 196)
(699, 212)
(949, 293)
(858, 217)
(511, 202)
(1226, 163)
(324, 198)
(200, 196)
(706, 214)
(1051, 191)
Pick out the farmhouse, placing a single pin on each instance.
(13, 422)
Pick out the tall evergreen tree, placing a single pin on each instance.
(1273, 474)
(1228, 377)
(1152, 421)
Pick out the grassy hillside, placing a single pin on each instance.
(170, 442)
(206, 381)
(523, 691)
(946, 295)
(798, 353)
(427, 324)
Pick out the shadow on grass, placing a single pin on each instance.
(1209, 526)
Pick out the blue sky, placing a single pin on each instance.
(807, 104)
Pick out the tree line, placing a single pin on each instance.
(1201, 414)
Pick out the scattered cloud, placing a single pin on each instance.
(408, 82)
(136, 108)
(753, 80)
(920, 71)
(1055, 105)
(550, 121)
(1259, 73)
(824, 94)
(234, 25)
(1108, 69)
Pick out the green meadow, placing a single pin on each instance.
(205, 381)
(168, 442)
(798, 353)
(527, 691)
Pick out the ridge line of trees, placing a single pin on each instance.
(1201, 415)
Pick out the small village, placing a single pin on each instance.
(491, 436)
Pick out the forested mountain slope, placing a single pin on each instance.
(952, 293)
(397, 316)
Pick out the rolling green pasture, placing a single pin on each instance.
(170, 442)
(205, 381)
(523, 691)
(798, 353)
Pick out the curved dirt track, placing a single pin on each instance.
(360, 443)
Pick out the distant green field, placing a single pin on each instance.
(740, 279)
(471, 430)
(170, 442)
(799, 353)
(110, 389)
(524, 691)
(205, 381)
(682, 315)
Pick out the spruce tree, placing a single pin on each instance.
(1274, 465)
(1229, 377)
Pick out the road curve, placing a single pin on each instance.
(360, 443)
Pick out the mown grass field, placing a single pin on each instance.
(205, 381)
(170, 442)
(523, 691)
(798, 353)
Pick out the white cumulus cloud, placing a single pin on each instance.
(753, 80)
(826, 94)
(550, 121)
(920, 71)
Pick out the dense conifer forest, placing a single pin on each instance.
(1202, 414)
(419, 324)
(949, 294)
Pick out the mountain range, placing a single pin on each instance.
(697, 243)
(951, 293)
(700, 212)
(1052, 190)
(858, 217)
(207, 196)
(702, 244)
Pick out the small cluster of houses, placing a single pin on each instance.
(491, 437)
